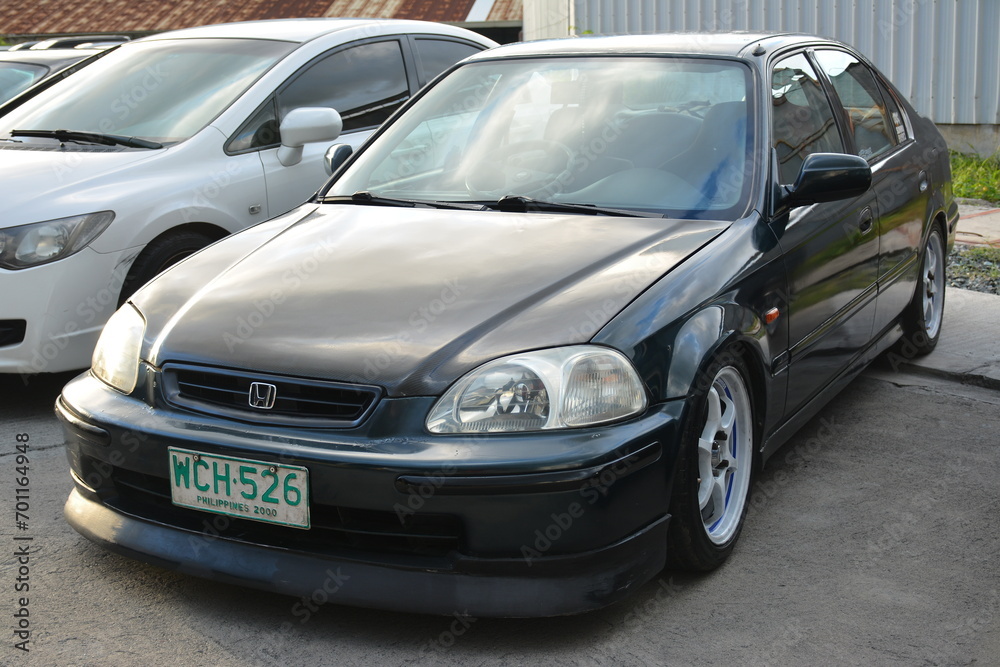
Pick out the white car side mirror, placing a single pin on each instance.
(303, 126)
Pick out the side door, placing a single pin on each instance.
(364, 81)
(830, 249)
(879, 133)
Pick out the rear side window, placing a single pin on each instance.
(802, 120)
(365, 83)
(437, 55)
(874, 132)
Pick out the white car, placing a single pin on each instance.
(174, 141)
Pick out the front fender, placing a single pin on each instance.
(716, 298)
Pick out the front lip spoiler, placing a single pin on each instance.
(513, 587)
(542, 482)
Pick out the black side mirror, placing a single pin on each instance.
(335, 156)
(826, 177)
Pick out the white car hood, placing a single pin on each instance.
(42, 184)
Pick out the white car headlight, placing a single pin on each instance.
(44, 242)
(116, 357)
(567, 387)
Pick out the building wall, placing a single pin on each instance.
(944, 55)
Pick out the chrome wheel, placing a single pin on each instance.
(725, 455)
(932, 278)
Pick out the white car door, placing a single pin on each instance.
(365, 82)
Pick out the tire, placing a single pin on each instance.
(924, 315)
(160, 254)
(714, 469)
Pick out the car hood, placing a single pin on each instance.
(408, 299)
(41, 184)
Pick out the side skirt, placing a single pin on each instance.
(791, 425)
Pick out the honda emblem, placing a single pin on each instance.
(262, 395)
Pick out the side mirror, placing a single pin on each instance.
(304, 126)
(335, 156)
(826, 177)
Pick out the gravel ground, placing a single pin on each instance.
(974, 268)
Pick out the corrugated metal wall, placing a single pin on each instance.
(944, 55)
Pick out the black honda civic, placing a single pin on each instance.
(530, 343)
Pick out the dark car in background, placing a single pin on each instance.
(530, 343)
(19, 70)
(70, 42)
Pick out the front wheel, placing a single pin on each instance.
(715, 467)
(158, 256)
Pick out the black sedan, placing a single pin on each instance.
(529, 345)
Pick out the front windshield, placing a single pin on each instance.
(164, 91)
(654, 134)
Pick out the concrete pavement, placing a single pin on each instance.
(978, 224)
(969, 348)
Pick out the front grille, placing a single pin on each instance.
(334, 530)
(268, 399)
(12, 332)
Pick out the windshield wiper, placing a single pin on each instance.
(367, 198)
(90, 137)
(519, 204)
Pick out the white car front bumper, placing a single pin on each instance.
(64, 306)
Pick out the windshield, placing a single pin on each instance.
(164, 91)
(654, 134)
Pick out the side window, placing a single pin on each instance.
(895, 112)
(874, 133)
(365, 83)
(260, 131)
(437, 55)
(802, 120)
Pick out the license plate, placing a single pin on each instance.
(256, 490)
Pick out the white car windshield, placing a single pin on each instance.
(163, 91)
(667, 135)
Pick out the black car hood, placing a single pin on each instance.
(409, 299)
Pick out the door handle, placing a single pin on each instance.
(867, 221)
(924, 182)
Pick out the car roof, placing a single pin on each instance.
(297, 30)
(49, 57)
(688, 43)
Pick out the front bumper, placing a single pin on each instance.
(62, 307)
(526, 525)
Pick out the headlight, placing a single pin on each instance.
(44, 242)
(568, 387)
(116, 358)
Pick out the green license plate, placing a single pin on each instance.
(256, 490)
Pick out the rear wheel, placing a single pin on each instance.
(714, 471)
(159, 255)
(925, 313)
